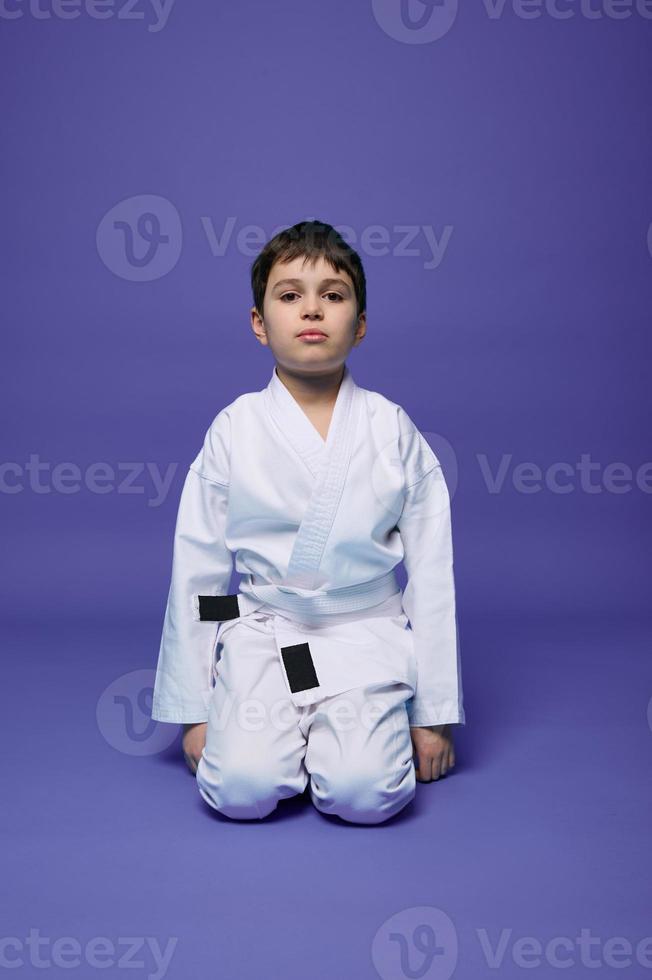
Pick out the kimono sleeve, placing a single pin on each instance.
(429, 596)
(201, 565)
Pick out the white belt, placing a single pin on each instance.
(317, 602)
(301, 605)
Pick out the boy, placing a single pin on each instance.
(319, 488)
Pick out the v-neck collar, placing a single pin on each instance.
(297, 426)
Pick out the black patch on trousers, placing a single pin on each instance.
(299, 667)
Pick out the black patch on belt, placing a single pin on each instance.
(215, 608)
(299, 667)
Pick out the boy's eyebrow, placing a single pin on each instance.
(299, 282)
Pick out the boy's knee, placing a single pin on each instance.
(238, 792)
(363, 797)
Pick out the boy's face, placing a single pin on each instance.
(300, 297)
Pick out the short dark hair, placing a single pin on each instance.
(311, 239)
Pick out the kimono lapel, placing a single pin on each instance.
(328, 461)
(296, 427)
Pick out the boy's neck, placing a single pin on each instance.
(312, 389)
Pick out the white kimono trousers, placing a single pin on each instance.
(316, 528)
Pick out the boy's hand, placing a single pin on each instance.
(193, 742)
(434, 747)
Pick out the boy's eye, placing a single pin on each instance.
(336, 295)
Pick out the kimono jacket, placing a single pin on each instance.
(316, 529)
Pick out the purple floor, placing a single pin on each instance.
(533, 854)
(490, 162)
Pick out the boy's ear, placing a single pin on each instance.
(360, 329)
(258, 326)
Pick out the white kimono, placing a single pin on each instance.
(316, 528)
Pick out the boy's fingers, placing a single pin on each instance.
(434, 766)
(447, 762)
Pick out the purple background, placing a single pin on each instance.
(530, 140)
